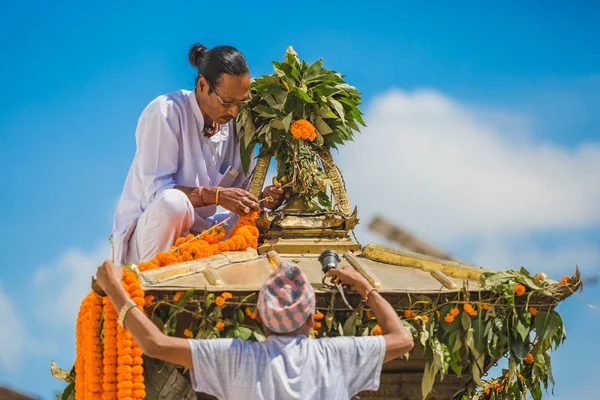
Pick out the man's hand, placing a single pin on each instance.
(275, 192)
(108, 276)
(237, 200)
(349, 276)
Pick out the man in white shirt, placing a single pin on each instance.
(288, 364)
(187, 160)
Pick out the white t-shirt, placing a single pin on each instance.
(173, 151)
(287, 367)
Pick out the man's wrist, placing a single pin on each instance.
(208, 195)
(114, 288)
(364, 288)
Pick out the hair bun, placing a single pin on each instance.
(196, 54)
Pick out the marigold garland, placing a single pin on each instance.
(109, 382)
(113, 368)
(193, 247)
(303, 129)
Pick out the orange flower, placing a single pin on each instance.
(521, 377)
(302, 129)
(219, 301)
(487, 390)
(565, 279)
(149, 299)
(226, 295)
(187, 333)
(406, 314)
(454, 312)
(533, 311)
(253, 316)
(318, 316)
(248, 311)
(529, 358)
(519, 289)
(485, 306)
(369, 314)
(177, 296)
(469, 309)
(437, 312)
(449, 318)
(376, 330)
(220, 325)
(425, 318)
(317, 325)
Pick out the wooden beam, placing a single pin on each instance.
(363, 270)
(407, 239)
(389, 255)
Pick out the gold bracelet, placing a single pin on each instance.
(217, 196)
(124, 310)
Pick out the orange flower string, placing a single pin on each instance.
(109, 329)
(529, 358)
(243, 235)
(93, 357)
(80, 333)
(565, 279)
(124, 359)
(376, 330)
(113, 368)
(454, 312)
(137, 362)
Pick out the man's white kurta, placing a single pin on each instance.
(173, 151)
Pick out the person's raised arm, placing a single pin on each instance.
(398, 340)
(151, 340)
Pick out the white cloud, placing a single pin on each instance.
(456, 174)
(454, 171)
(506, 254)
(62, 285)
(59, 288)
(12, 335)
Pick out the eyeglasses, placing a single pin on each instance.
(228, 104)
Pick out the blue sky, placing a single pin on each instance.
(75, 77)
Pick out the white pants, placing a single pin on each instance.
(169, 216)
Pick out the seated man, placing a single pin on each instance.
(288, 364)
(187, 160)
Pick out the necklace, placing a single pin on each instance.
(211, 129)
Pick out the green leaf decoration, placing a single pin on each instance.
(295, 91)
